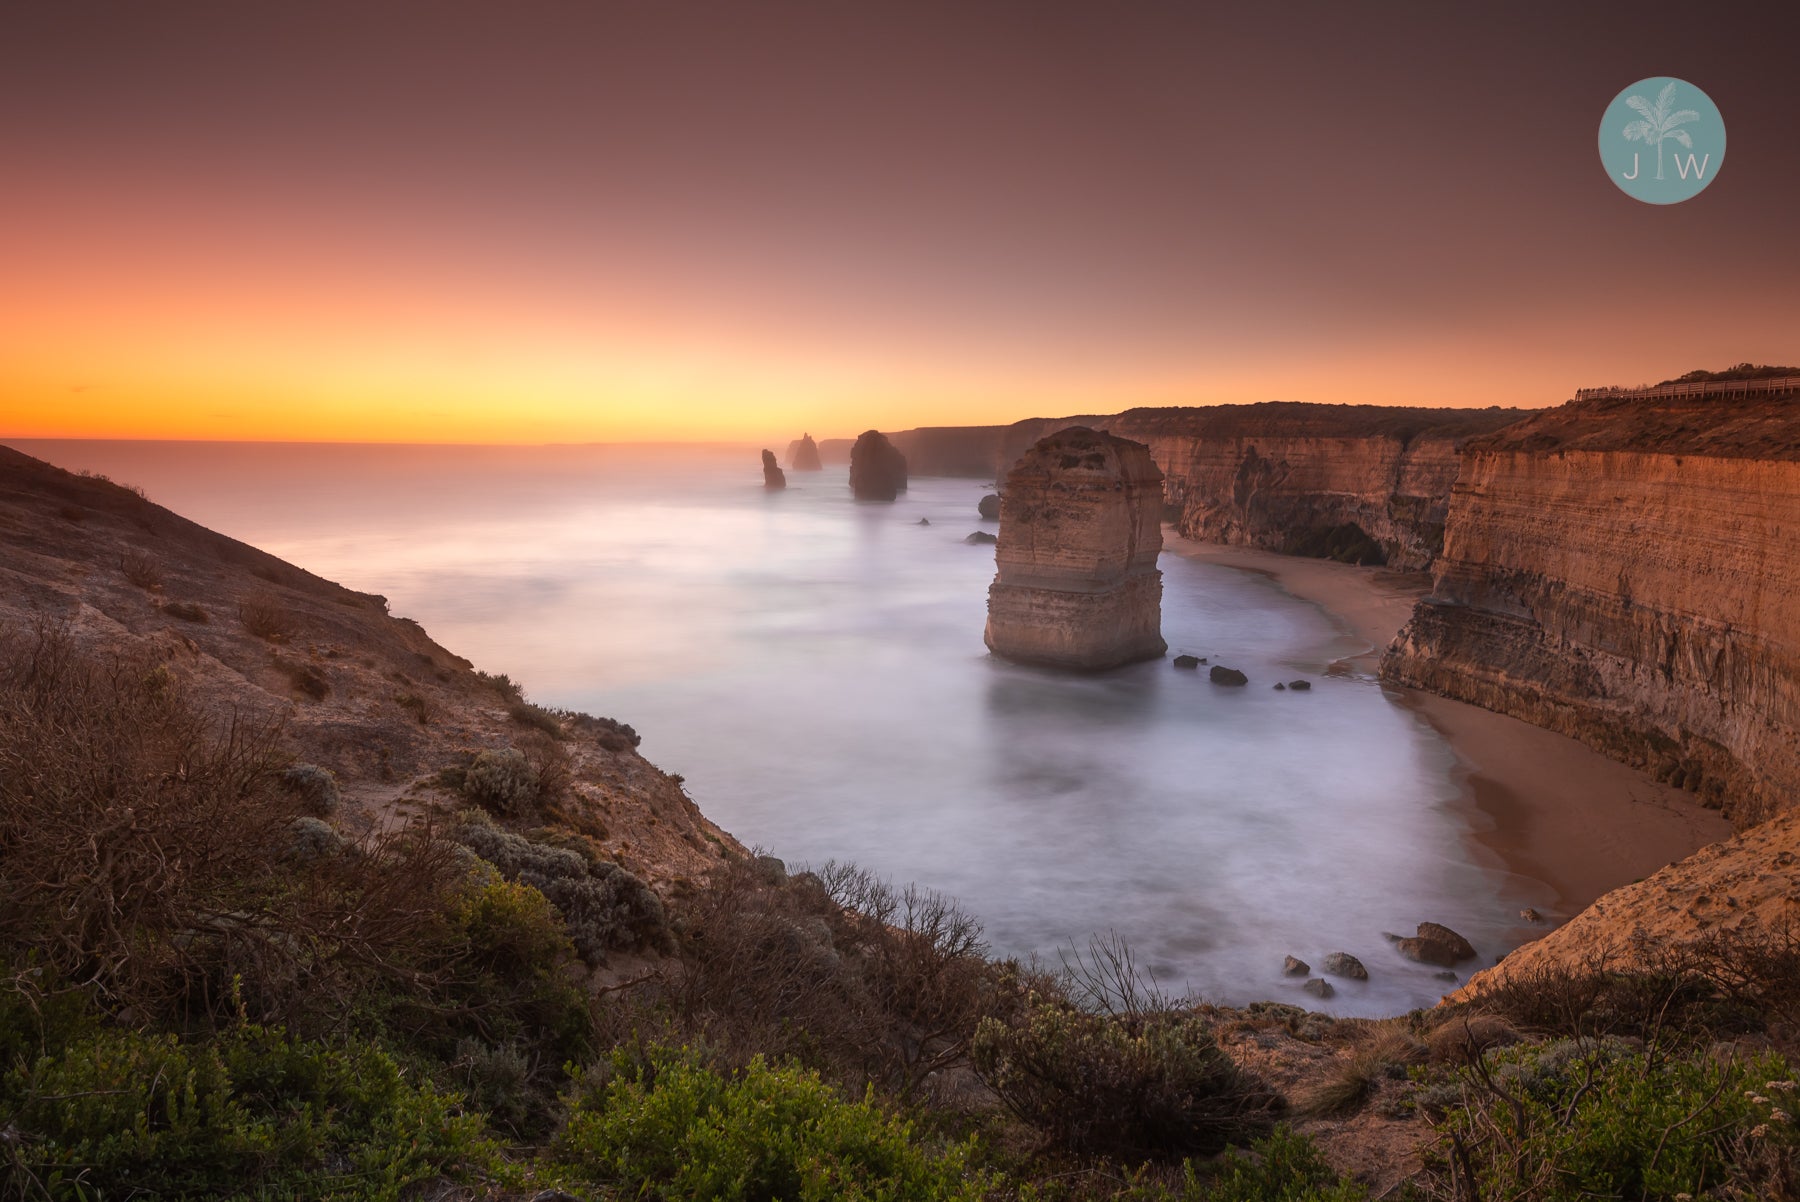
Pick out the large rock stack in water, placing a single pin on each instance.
(1080, 530)
(877, 468)
(773, 476)
(803, 455)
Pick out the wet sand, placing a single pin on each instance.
(1542, 806)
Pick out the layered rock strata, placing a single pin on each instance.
(877, 469)
(1080, 530)
(1363, 483)
(1627, 571)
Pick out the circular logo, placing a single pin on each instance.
(1662, 140)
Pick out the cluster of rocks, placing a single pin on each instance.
(1433, 944)
(1231, 677)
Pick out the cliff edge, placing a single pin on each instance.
(1626, 570)
(361, 693)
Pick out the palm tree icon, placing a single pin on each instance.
(1659, 123)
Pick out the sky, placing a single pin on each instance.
(580, 220)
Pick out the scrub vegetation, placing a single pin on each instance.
(210, 989)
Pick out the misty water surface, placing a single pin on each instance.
(814, 668)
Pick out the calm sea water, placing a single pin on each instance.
(814, 668)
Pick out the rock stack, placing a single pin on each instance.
(803, 455)
(1080, 530)
(773, 476)
(877, 468)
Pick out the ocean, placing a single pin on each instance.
(813, 668)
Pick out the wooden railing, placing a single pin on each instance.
(1766, 385)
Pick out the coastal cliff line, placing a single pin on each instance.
(1623, 570)
(1361, 483)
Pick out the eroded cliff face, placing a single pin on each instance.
(1363, 483)
(1630, 576)
(1359, 483)
(1080, 529)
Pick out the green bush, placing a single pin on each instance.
(670, 1128)
(135, 1115)
(1284, 1167)
(1581, 1119)
(315, 787)
(604, 907)
(1127, 1086)
(501, 780)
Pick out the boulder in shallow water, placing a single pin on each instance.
(1187, 661)
(1343, 964)
(924, 521)
(981, 538)
(1462, 947)
(1293, 966)
(1436, 944)
(990, 507)
(877, 468)
(1300, 686)
(1319, 987)
(773, 476)
(1279, 687)
(1227, 676)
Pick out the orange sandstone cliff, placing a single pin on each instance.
(1626, 570)
(1365, 483)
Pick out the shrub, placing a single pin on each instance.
(1385, 1053)
(1578, 1119)
(264, 616)
(105, 766)
(536, 717)
(308, 680)
(603, 907)
(502, 684)
(501, 780)
(142, 570)
(421, 708)
(1285, 1167)
(314, 839)
(314, 787)
(128, 1114)
(187, 611)
(1127, 1086)
(671, 1128)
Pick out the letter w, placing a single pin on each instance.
(1699, 171)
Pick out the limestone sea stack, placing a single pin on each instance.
(773, 476)
(1080, 530)
(803, 455)
(877, 469)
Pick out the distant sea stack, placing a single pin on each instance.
(1080, 530)
(803, 455)
(877, 469)
(773, 476)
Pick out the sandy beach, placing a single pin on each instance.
(1544, 807)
